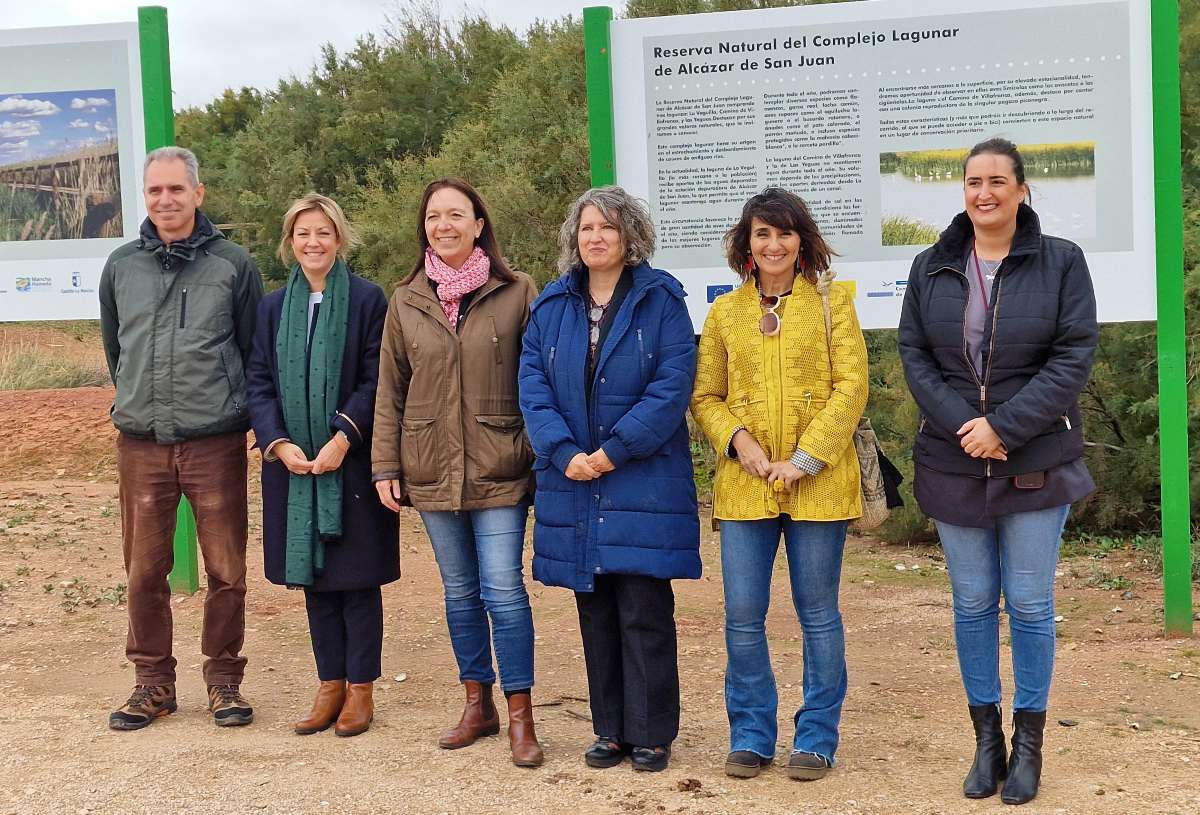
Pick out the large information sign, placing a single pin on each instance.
(867, 110)
(72, 139)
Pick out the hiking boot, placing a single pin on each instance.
(228, 707)
(146, 704)
(807, 766)
(745, 764)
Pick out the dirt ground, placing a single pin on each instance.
(1125, 711)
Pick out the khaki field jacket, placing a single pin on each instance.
(447, 421)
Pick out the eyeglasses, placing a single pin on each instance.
(770, 323)
(595, 316)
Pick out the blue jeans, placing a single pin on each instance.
(1017, 557)
(479, 555)
(814, 553)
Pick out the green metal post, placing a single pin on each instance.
(1172, 347)
(185, 575)
(159, 116)
(597, 52)
(156, 77)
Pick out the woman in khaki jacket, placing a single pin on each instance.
(780, 402)
(450, 441)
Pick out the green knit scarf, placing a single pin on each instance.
(309, 381)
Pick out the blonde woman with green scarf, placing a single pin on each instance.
(311, 387)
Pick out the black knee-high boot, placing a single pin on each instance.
(991, 757)
(1025, 764)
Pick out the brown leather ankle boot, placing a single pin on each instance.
(325, 709)
(358, 710)
(526, 752)
(479, 718)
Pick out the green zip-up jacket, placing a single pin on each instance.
(178, 321)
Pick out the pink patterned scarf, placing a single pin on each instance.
(453, 283)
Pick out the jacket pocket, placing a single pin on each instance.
(419, 451)
(749, 411)
(806, 405)
(504, 452)
(642, 358)
(206, 308)
(235, 376)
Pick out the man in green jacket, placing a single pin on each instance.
(177, 310)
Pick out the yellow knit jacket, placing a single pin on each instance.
(787, 394)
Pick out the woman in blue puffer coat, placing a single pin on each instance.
(606, 374)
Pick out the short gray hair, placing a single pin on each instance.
(172, 153)
(629, 215)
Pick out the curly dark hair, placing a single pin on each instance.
(783, 210)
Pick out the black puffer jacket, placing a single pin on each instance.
(1038, 344)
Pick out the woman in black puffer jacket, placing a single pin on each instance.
(997, 337)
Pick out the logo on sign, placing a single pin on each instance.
(716, 291)
(890, 288)
(30, 283)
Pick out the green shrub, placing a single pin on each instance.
(1147, 547)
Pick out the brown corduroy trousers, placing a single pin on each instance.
(211, 472)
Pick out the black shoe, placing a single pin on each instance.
(991, 756)
(1025, 763)
(745, 764)
(605, 752)
(650, 759)
(807, 767)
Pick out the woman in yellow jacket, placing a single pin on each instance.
(780, 403)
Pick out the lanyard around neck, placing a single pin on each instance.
(984, 288)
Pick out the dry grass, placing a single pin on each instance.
(27, 367)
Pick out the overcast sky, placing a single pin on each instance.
(230, 43)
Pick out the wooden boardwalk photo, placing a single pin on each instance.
(68, 196)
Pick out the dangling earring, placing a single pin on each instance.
(749, 265)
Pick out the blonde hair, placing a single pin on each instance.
(347, 237)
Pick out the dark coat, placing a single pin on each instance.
(641, 518)
(369, 552)
(1038, 343)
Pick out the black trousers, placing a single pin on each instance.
(629, 646)
(347, 633)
